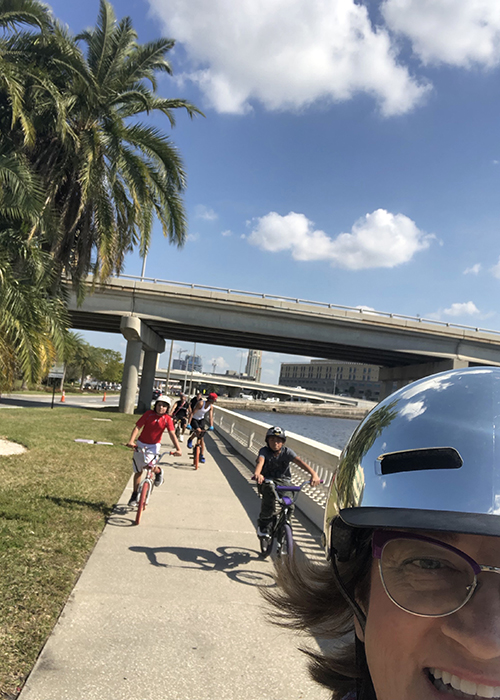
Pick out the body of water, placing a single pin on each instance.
(330, 431)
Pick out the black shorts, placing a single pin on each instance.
(201, 424)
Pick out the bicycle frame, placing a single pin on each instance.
(281, 530)
(147, 484)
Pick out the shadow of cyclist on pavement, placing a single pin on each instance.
(225, 559)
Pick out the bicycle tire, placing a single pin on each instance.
(196, 456)
(142, 501)
(285, 541)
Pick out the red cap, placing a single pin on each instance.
(213, 397)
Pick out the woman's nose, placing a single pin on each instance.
(476, 626)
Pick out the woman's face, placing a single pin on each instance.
(403, 651)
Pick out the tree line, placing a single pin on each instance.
(82, 179)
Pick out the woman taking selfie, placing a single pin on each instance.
(410, 596)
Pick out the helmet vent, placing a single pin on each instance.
(420, 460)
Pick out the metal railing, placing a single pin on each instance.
(247, 436)
(309, 302)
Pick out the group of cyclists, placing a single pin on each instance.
(145, 440)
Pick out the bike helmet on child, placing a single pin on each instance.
(276, 431)
(426, 458)
(162, 399)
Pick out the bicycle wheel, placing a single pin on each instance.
(285, 541)
(196, 456)
(142, 501)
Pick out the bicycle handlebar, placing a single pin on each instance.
(281, 487)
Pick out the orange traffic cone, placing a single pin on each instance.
(104, 397)
(63, 397)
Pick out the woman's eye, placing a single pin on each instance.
(428, 563)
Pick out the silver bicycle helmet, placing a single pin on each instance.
(427, 457)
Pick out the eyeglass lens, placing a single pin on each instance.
(424, 578)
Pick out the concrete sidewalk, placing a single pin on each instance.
(171, 609)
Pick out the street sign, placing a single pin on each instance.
(56, 371)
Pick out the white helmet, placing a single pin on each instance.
(163, 398)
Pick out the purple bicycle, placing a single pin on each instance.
(281, 527)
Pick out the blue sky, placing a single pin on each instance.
(350, 152)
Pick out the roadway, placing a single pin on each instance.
(72, 400)
(171, 609)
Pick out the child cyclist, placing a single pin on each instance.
(273, 462)
(202, 419)
(153, 424)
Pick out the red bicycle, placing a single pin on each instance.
(147, 484)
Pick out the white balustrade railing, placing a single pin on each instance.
(247, 436)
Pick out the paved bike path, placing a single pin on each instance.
(171, 609)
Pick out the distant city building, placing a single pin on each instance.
(331, 377)
(194, 363)
(191, 363)
(254, 364)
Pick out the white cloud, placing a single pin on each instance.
(288, 54)
(226, 233)
(457, 32)
(413, 409)
(467, 308)
(203, 212)
(193, 237)
(365, 309)
(220, 363)
(495, 270)
(379, 239)
(474, 270)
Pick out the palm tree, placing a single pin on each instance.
(107, 174)
(81, 178)
(32, 323)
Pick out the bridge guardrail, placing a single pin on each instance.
(247, 435)
(309, 302)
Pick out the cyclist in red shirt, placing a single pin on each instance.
(153, 424)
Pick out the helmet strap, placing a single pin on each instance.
(360, 615)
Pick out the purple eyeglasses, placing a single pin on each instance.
(424, 576)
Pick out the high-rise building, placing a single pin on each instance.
(189, 364)
(254, 364)
(194, 363)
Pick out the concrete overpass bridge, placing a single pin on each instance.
(147, 311)
(197, 379)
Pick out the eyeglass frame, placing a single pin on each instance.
(382, 537)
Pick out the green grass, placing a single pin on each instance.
(54, 501)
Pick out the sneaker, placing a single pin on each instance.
(133, 498)
(262, 532)
(190, 444)
(159, 478)
(202, 459)
(181, 438)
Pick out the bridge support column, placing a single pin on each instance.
(149, 363)
(130, 376)
(394, 378)
(139, 337)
